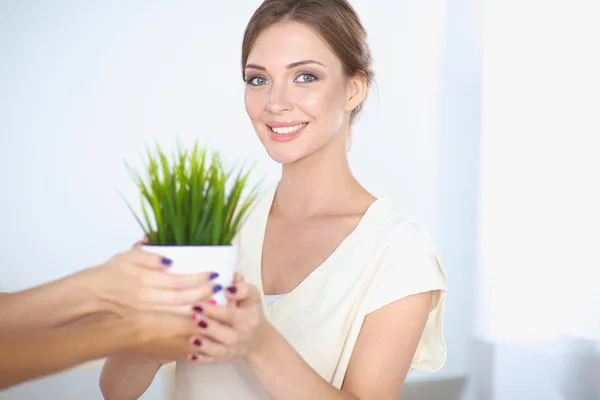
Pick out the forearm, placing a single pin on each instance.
(49, 305)
(286, 376)
(36, 354)
(127, 377)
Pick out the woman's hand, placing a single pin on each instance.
(234, 331)
(164, 336)
(137, 280)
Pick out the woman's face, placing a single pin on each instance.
(297, 96)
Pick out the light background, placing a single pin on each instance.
(84, 85)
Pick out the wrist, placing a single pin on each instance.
(139, 338)
(263, 350)
(91, 291)
(127, 330)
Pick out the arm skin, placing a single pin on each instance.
(41, 307)
(378, 366)
(127, 377)
(36, 354)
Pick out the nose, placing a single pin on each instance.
(278, 101)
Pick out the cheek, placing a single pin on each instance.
(324, 104)
(254, 104)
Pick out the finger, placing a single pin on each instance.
(242, 293)
(237, 278)
(186, 297)
(209, 348)
(142, 242)
(201, 358)
(165, 280)
(232, 303)
(146, 259)
(215, 331)
(224, 315)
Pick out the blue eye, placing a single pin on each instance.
(258, 81)
(306, 78)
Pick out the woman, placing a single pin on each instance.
(343, 294)
(110, 309)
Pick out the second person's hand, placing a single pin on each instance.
(137, 280)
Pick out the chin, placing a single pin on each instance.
(284, 155)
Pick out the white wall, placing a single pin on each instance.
(540, 172)
(85, 84)
(537, 257)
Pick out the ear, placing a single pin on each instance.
(356, 90)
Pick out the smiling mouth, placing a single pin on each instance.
(287, 130)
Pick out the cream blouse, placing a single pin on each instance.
(385, 258)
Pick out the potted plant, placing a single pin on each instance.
(192, 209)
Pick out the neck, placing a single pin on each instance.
(316, 185)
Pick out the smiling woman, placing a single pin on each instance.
(342, 294)
(302, 66)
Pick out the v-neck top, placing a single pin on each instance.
(387, 257)
(272, 298)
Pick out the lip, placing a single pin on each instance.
(284, 124)
(278, 137)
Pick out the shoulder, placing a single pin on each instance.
(410, 266)
(410, 262)
(403, 230)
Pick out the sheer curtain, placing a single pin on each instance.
(539, 211)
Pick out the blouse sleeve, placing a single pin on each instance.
(411, 266)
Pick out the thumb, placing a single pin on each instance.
(237, 278)
(244, 294)
(142, 242)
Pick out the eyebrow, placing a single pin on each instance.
(289, 66)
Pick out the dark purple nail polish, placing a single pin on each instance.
(194, 358)
(202, 324)
(198, 309)
(197, 342)
(214, 275)
(232, 289)
(217, 288)
(166, 261)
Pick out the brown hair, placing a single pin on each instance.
(334, 20)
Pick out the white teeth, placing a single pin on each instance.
(288, 129)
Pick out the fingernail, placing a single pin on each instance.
(198, 309)
(214, 275)
(202, 324)
(197, 342)
(212, 301)
(193, 357)
(217, 288)
(232, 289)
(166, 261)
(194, 318)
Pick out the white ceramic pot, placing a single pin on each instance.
(195, 259)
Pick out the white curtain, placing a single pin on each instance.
(539, 214)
